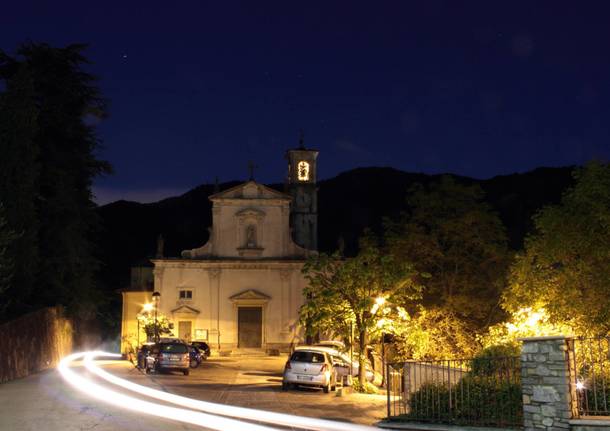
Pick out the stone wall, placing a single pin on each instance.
(545, 378)
(34, 342)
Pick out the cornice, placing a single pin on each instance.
(233, 264)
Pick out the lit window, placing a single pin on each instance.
(186, 294)
(303, 171)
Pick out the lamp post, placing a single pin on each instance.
(156, 296)
(380, 302)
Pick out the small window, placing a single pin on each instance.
(186, 294)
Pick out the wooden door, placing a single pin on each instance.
(184, 330)
(250, 327)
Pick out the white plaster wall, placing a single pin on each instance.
(176, 279)
(271, 231)
(280, 314)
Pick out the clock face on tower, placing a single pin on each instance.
(303, 171)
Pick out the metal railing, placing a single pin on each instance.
(591, 375)
(476, 392)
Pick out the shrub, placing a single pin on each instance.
(472, 400)
(489, 394)
(368, 387)
(499, 359)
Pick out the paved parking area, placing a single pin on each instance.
(255, 382)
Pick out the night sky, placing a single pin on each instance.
(197, 89)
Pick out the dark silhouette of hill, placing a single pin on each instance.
(348, 203)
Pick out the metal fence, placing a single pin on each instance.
(476, 392)
(591, 375)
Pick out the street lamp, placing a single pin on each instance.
(156, 296)
(380, 302)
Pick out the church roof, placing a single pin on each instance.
(250, 190)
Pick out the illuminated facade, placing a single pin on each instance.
(243, 287)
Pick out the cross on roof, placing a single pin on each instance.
(251, 167)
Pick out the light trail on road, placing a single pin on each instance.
(281, 419)
(272, 418)
(124, 401)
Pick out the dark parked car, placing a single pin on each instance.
(196, 356)
(169, 355)
(203, 348)
(143, 352)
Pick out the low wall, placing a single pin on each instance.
(34, 342)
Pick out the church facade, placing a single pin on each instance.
(244, 287)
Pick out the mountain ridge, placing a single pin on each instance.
(349, 202)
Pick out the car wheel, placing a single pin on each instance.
(194, 363)
(186, 372)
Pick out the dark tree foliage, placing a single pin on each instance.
(7, 266)
(58, 147)
(19, 172)
(455, 239)
(565, 267)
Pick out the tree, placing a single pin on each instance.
(19, 171)
(7, 267)
(565, 267)
(459, 249)
(147, 322)
(341, 291)
(64, 146)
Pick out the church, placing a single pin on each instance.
(244, 287)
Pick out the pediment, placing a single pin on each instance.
(185, 309)
(250, 190)
(249, 295)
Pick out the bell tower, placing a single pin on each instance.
(301, 182)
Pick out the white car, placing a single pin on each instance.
(307, 367)
(343, 358)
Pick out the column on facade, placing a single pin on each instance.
(214, 277)
(158, 275)
(285, 276)
(214, 237)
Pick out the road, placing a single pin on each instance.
(46, 402)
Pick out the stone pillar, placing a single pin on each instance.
(545, 380)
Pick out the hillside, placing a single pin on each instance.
(348, 203)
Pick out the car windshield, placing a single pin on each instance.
(313, 357)
(173, 348)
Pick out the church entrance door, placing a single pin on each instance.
(184, 330)
(250, 327)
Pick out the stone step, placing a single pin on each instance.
(248, 352)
